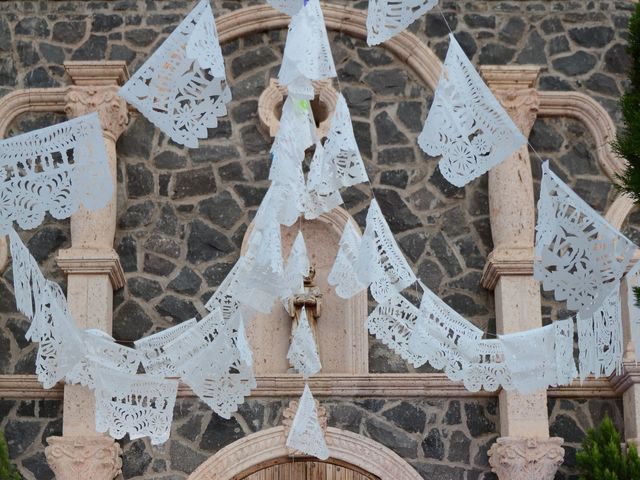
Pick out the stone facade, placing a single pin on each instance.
(182, 213)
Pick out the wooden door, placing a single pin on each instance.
(301, 469)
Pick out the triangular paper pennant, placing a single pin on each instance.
(466, 124)
(182, 87)
(303, 353)
(53, 170)
(242, 342)
(296, 132)
(140, 405)
(316, 203)
(306, 434)
(290, 7)
(307, 52)
(298, 267)
(600, 337)
(155, 361)
(578, 254)
(343, 275)
(633, 281)
(380, 262)
(342, 163)
(387, 18)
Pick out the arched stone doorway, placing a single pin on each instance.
(351, 455)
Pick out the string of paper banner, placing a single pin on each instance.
(182, 89)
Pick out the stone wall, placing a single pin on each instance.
(182, 213)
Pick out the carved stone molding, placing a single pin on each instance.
(234, 460)
(515, 458)
(4, 253)
(81, 458)
(97, 73)
(88, 261)
(111, 107)
(506, 261)
(271, 99)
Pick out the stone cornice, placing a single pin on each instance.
(506, 261)
(97, 73)
(87, 261)
(630, 376)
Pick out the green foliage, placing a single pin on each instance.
(8, 471)
(627, 143)
(602, 458)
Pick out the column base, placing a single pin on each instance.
(82, 457)
(519, 458)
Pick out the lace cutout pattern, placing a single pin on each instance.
(226, 296)
(307, 52)
(303, 353)
(290, 7)
(578, 254)
(387, 18)
(182, 87)
(466, 124)
(140, 405)
(343, 274)
(54, 169)
(154, 360)
(298, 267)
(306, 434)
(380, 262)
(315, 202)
(342, 163)
(600, 338)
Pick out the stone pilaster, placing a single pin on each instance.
(93, 271)
(84, 457)
(524, 451)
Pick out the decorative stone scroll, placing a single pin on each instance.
(513, 458)
(84, 457)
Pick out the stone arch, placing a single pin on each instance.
(260, 447)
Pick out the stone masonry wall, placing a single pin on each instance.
(182, 213)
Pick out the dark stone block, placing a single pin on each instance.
(550, 83)
(387, 132)
(371, 404)
(395, 439)
(533, 51)
(184, 459)
(432, 445)
(475, 20)
(137, 139)
(351, 71)
(345, 417)
(7, 302)
(32, 27)
(374, 56)
(177, 309)
(446, 188)
(455, 223)
(39, 78)
(127, 250)
(52, 53)
(467, 43)
(245, 111)
(396, 212)
(577, 63)
(51, 429)
(477, 421)
(156, 265)
(131, 322)
(37, 465)
(453, 417)
(459, 446)
(424, 199)
(566, 427)
(551, 25)
(413, 245)
(445, 255)
(167, 223)
(390, 156)
(49, 408)
(595, 193)
(249, 87)
(592, 37)
(141, 37)
(206, 244)
(604, 84)
(20, 435)
(362, 133)
(163, 245)
(580, 161)
(26, 409)
(430, 274)
(410, 114)
(122, 52)
(253, 414)
(69, 32)
(214, 153)
(93, 49)
(7, 71)
(359, 100)
(104, 23)
(220, 432)
(441, 472)
(252, 59)
(164, 20)
(558, 44)
(136, 459)
(5, 408)
(18, 328)
(224, 130)
(544, 137)
(5, 353)
(27, 53)
(139, 180)
(512, 31)
(387, 82)
(192, 428)
(144, 288)
(187, 282)
(395, 178)
(254, 141)
(465, 305)
(194, 182)
(617, 59)
(407, 417)
(5, 36)
(496, 54)
(232, 172)
(251, 196)
(138, 215)
(45, 242)
(436, 26)
(215, 274)
(169, 160)
(26, 363)
(221, 210)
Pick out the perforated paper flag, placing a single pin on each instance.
(306, 435)
(303, 353)
(387, 18)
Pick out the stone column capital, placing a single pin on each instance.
(111, 108)
(520, 458)
(86, 261)
(83, 457)
(506, 261)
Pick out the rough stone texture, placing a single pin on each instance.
(182, 213)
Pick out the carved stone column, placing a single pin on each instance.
(524, 420)
(93, 271)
